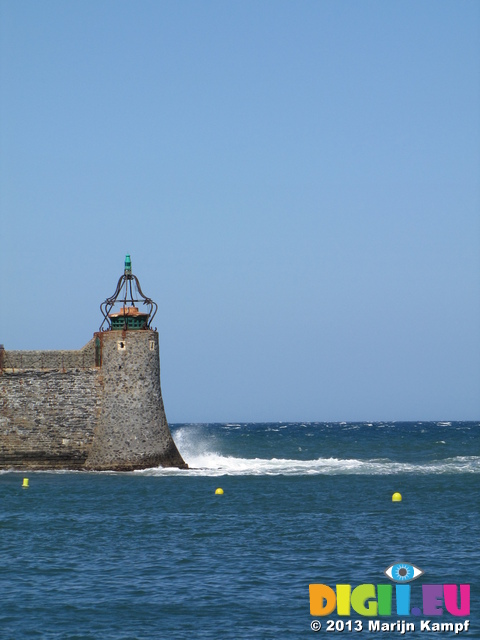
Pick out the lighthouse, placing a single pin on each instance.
(132, 430)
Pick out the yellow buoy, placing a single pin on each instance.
(397, 497)
(219, 491)
(25, 483)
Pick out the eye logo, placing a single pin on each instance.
(403, 572)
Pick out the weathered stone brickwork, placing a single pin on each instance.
(96, 408)
(58, 360)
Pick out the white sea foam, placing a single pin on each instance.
(212, 464)
(204, 461)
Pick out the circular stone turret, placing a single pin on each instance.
(132, 430)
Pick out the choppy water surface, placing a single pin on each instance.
(155, 554)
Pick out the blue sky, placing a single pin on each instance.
(298, 184)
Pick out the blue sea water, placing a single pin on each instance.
(156, 554)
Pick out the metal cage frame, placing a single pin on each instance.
(125, 283)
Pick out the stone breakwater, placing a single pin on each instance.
(98, 408)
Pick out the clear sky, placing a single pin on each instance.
(297, 182)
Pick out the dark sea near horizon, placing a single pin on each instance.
(156, 554)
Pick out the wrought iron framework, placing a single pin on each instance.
(127, 292)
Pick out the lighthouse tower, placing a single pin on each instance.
(131, 431)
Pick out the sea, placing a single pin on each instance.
(160, 554)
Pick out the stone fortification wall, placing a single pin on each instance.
(60, 360)
(99, 407)
(47, 418)
(49, 402)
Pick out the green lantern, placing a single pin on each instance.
(128, 264)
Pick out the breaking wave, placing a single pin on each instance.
(203, 461)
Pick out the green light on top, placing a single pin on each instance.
(128, 264)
